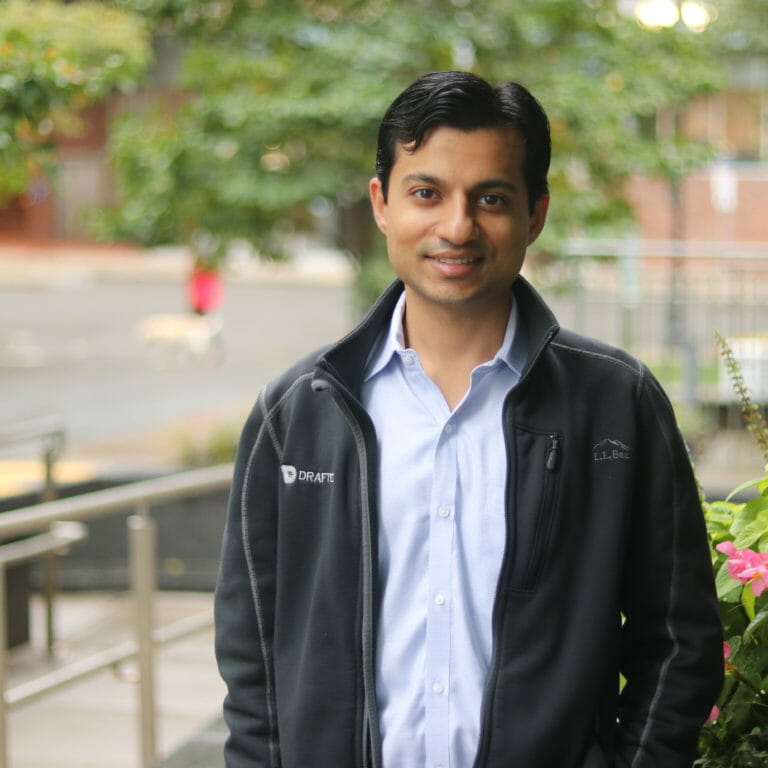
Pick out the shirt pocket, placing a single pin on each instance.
(533, 509)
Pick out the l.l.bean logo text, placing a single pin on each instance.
(611, 450)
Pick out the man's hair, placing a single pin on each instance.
(464, 101)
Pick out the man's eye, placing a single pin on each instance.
(491, 200)
(424, 194)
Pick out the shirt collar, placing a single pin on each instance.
(511, 352)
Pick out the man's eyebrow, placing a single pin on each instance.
(496, 184)
(481, 186)
(421, 178)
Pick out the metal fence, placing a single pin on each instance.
(663, 302)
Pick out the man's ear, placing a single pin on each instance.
(378, 203)
(538, 217)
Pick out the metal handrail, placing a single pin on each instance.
(51, 431)
(88, 506)
(48, 517)
(31, 429)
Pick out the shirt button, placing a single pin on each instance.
(408, 359)
(449, 429)
(444, 511)
(438, 688)
(439, 599)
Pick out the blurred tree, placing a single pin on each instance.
(284, 99)
(54, 60)
(741, 26)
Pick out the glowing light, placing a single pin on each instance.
(697, 16)
(656, 14)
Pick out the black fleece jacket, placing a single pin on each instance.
(606, 568)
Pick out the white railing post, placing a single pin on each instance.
(3, 670)
(142, 549)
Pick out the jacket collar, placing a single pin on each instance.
(347, 359)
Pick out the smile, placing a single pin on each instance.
(456, 261)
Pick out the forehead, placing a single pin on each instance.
(450, 151)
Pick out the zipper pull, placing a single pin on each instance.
(553, 454)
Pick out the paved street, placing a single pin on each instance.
(70, 344)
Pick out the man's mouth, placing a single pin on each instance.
(446, 260)
(463, 259)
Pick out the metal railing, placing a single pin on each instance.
(48, 430)
(51, 527)
(663, 301)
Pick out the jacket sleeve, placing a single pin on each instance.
(671, 646)
(244, 601)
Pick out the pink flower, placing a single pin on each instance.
(714, 714)
(747, 566)
(726, 650)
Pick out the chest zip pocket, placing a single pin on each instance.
(539, 459)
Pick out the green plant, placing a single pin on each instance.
(52, 64)
(736, 736)
(218, 446)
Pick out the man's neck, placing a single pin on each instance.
(451, 341)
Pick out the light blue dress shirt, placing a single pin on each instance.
(441, 540)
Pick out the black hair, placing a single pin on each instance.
(467, 102)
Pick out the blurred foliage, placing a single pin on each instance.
(217, 446)
(741, 27)
(54, 60)
(284, 97)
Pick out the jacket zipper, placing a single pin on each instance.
(370, 731)
(552, 462)
(553, 453)
(490, 683)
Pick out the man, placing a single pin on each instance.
(451, 531)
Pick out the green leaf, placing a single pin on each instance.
(751, 533)
(724, 583)
(720, 512)
(748, 601)
(757, 482)
(742, 518)
(755, 624)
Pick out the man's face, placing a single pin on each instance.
(457, 219)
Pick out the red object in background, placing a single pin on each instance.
(204, 290)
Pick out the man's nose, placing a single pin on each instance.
(457, 223)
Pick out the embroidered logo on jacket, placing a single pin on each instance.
(611, 450)
(292, 475)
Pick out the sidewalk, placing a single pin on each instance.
(93, 723)
(62, 263)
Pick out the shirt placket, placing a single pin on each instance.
(441, 536)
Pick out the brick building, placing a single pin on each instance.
(726, 200)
